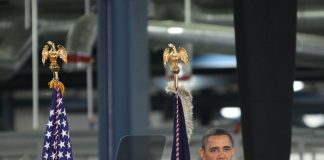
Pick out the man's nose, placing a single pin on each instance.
(221, 155)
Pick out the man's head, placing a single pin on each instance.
(217, 144)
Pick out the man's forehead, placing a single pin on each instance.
(219, 141)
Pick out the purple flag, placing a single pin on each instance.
(180, 148)
(57, 144)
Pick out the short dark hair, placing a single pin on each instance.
(215, 132)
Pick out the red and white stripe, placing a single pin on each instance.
(57, 119)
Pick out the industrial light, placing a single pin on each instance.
(313, 120)
(231, 112)
(298, 85)
(175, 30)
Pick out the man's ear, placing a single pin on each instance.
(201, 153)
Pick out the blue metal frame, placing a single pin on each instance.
(122, 72)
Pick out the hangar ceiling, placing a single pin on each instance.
(209, 32)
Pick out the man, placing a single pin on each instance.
(217, 144)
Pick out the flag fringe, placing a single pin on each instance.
(186, 101)
(54, 84)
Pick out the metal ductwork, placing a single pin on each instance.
(309, 20)
(81, 39)
(310, 50)
(206, 38)
(15, 42)
(15, 49)
(221, 39)
(310, 13)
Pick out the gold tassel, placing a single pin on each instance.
(186, 101)
(53, 84)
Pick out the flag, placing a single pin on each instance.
(182, 122)
(180, 147)
(57, 143)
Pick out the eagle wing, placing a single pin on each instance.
(44, 53)
(183, 55)
(62, 53)
(166, 55)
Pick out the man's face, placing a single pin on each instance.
(217, 148)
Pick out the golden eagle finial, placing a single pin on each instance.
(173, 56)
(53, 54)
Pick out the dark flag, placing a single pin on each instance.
(57, 144)
(182, 105)
(180, 148)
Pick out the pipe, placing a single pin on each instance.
(27, 14)
(221, 39)
(187, 11)
(35, 63)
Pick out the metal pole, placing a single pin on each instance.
(27, 14)
(35, 63)
(90, 95)
(301, 149)
(87, 6)
(187, 11)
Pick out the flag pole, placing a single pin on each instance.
(182, 105)
(57, 144)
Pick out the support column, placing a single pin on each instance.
(265, 42)
(123, 77)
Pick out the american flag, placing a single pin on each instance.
(57, 143)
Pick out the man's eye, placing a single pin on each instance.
(213, 150)
(227, 149)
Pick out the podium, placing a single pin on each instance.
(146, 147)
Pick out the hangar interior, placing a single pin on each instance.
(203, 27)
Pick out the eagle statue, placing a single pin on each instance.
(173, 56)
(53, 54)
